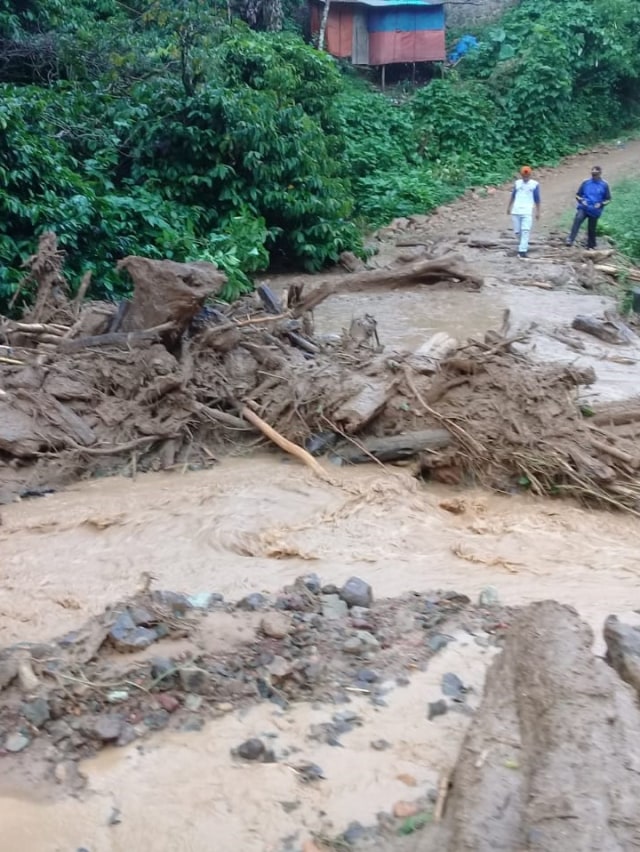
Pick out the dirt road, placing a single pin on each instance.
(252, 525)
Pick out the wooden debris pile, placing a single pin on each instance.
(173, 378)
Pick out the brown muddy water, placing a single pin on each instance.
(253, 525)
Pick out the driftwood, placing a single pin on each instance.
(124, 340)
(615, 417)
(632, 274)
(448, 268)
(394, 447)
(428, 356)
(363, 406)
(551, 761)
(610, 329)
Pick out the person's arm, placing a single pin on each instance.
(537, 200)
(579, 193)
(511, 200)
(607, 195)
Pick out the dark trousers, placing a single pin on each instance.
(591, 228)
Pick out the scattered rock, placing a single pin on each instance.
(289, 807)
(437, 708)
(193, 702)
(176, 602)
(117, 696)
(16, 742)
(313, 583)
(224, 707)
(193, 679)
(252, 602)
(453, 687)
(141, 617)
(489, 597)
(346, 716)
(367, 676)
(106, 728)
(403, 810)
(623, 650)
(330, 589)
(292, 603)
(168, 702)
(333, 607)
(356, 592)
(275, 625)
(203, 600)
(127, 637)
(127, 735)
(407, 779)
(157, 720)
(163, 670)
(353, 645)
(37, 712)
(380, 745)
(360, 612)
(26, 676)
(438, 641)
(252, 749)
(114, 817)
(355, 832)
(308, 772)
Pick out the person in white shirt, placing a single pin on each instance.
(525, 197)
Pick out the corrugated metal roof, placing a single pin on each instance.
(388, 3)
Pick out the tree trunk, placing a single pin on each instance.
(323, 24)
(551, 762)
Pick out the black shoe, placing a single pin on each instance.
(568, 242)
(522, 254)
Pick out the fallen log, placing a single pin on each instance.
(394, 447)
(551, 760)
(122, 339)
(615, 417)
(609, 329)
(448, 268)
(364, 406)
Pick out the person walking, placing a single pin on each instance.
(525, 196)
(592, 197)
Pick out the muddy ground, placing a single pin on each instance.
(347, 754)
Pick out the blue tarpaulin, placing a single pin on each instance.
(464, 45)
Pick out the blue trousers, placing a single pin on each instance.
(591, 228)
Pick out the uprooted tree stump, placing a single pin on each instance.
(166, 291)
(551, 762)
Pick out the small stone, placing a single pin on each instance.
(378, 701)
(162, 667)
(482, 641)
(127, 639)
(403, 810)
(356, 592)
(107, 728)
(362, 612)
(193, 679)
(202, 600)
(157, 720)
(193, 702)
(346, 716)
(353, 645)
(313, 583)
(380, 745)
(289, 807)
(292, 603)
(333, 607)
(355, 831)
(252, 602)
(253, 749)
(407, 779)
(330, 589)
(168, 702)
(308, 772)
(279, 668)
(437, 708)
(16, 742)
(141, 617)
(59, 730)
(114, 817)
(176, 602)
(453, 687)
(224, 707)
(37, 712)
(193, 724)
(275, 625)
(369, 642)
(127, 735)
(489, 597)
(367, 676)
(117, 696)
(438, 641)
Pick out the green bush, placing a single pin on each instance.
(620, 219)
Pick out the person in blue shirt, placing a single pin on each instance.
(592, 197)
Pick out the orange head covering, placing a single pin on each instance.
(525, 171)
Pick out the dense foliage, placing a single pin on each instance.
(621, 221)
(172, 129)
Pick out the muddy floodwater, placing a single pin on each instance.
(252, 525)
